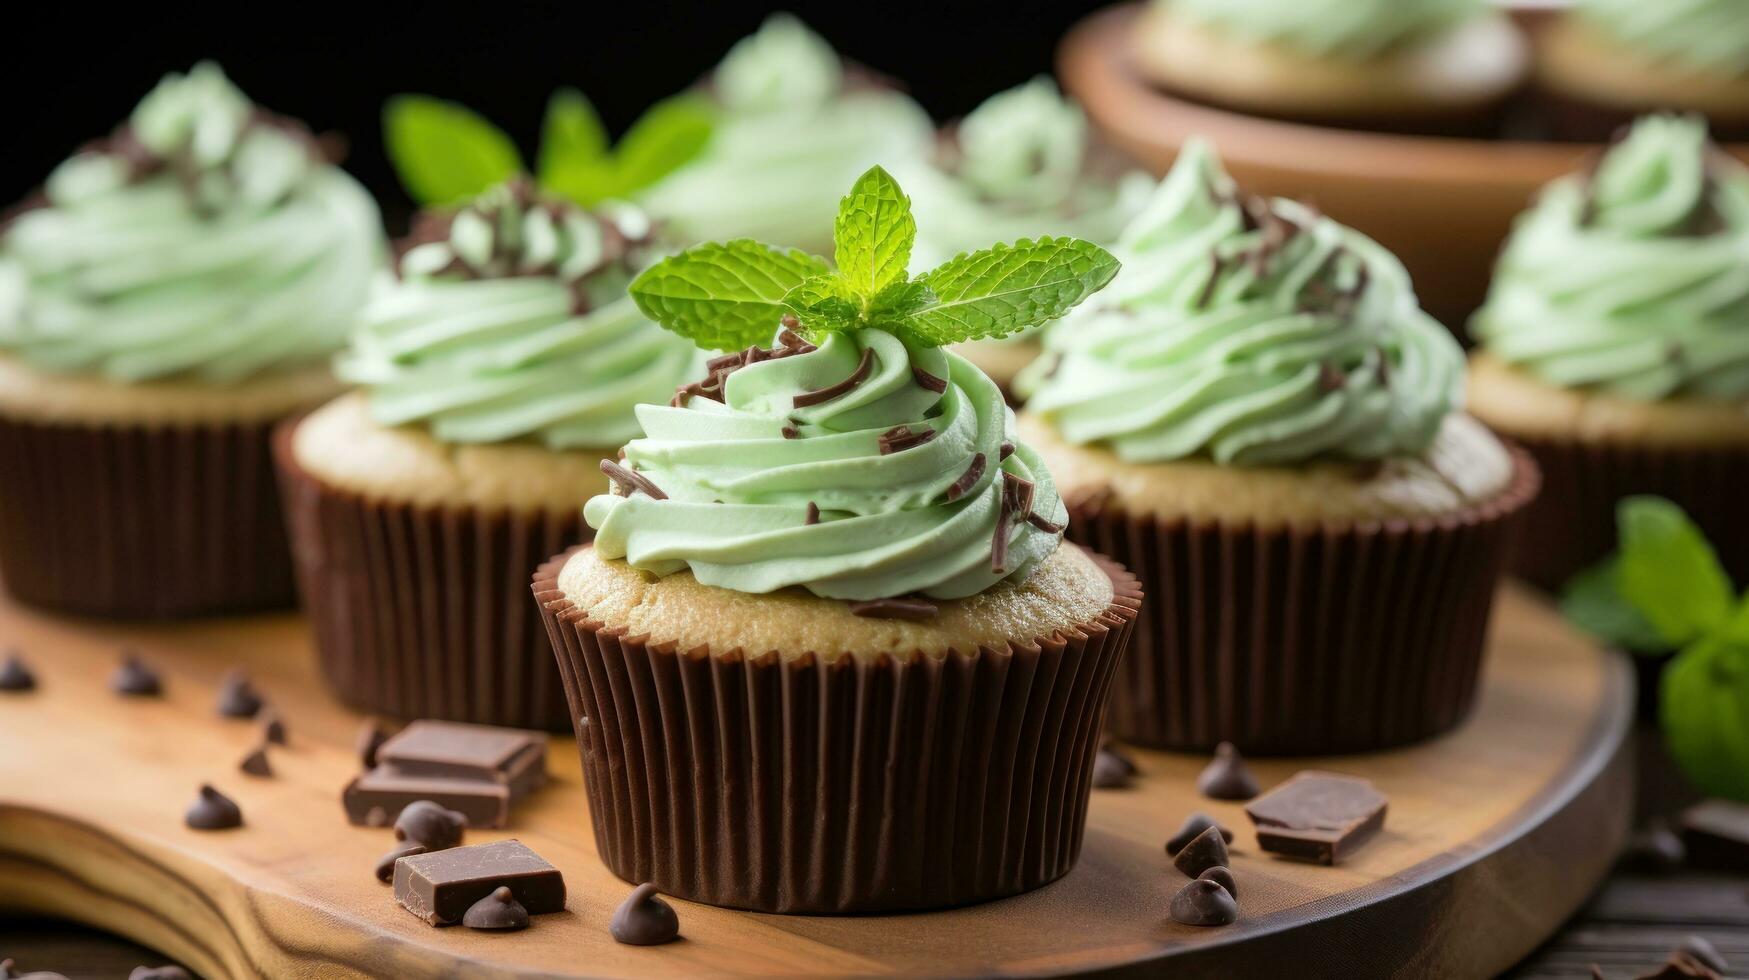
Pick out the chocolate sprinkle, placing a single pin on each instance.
(822, 395)
(1191, 829)
(896, 608)
(15, 676)
(928, 381)
(1204, 903)
(791, 432)
(370, 738)
(134, 679)
(901, 437)
(385, 869)
(1206, 850)
(813, 514)
(212, 811)
(643, 919)
(237, 697)
(630, 480)
(968, 479)
(430, 824)
(1226, 777)
(497, 911)
(256, 764)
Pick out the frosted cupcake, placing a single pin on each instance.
(1429, 66)
(493, 374)
(1261, 421)
(1022, 164)
(793, 129)
(172, 292)
(826, 633)
(1615, 345)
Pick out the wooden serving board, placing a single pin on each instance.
(1495, 834)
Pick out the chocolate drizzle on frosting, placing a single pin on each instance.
(820, 396)
(628, 480)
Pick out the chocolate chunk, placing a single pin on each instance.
(238, 697)
(1227, 777)
(1654, 848)
(895, 608)
(1111, 768)
(1193, 826)
(644, 919)
(1204, 903)
(159, 973)
(1206, 850)
(427, 823)
(441, 886)
(453, 750)
(499, 910)
(15, 676)
(255, 763)
(370, 738)
(212, 811)
(1223, 877)
(386, 864)
(1716, 834)
(1317, 816)
(273, 730)
(134, 679)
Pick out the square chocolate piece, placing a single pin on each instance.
(440, 886)
(376, 798)
(1317, 816)
(456, 751)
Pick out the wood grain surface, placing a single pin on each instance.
(1499, 831)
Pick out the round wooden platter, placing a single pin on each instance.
(1495, 834)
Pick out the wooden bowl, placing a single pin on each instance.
(1442, 205)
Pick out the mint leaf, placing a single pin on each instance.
(572, 137)
(1593, 602)
(874, 233)
(823, 303)
(898, 301)
(724, 296)
(665, 138)
(1005, 289)
(1704, 712)
(1669, 572)
(445, 152)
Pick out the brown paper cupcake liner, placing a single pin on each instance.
(1572, 524)
(862, 784)
(141, 522)
(1304, 640)
(423, 612)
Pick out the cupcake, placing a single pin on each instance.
(1614, 345)
(793, 128)
(1415, 66)
(492, 374)
(1608, 61)
(171, 293)
(1022, 164)
(1260, 421)
(826, 646)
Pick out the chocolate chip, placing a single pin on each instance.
(643, 919)
(1193, 826)
(273, 730)
(255, 763)
(1223, 877)
(1111, 768)
(1654, 848)
(386, 864)
(1204, 903)
(212, 811)
(134, 679)
(499, 910)
(425, 822)
(6, 970)
(159, 973)
(1206, 850)
(15, 676)
(370, 738)
(1697, 948)
(1227, 777)
(238, 697)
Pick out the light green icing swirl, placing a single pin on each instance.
(516, 325)
(790, 136)
(204, 240)
(738, 491)
(1634, 282)
(1350, 29)
(1711, 35)
(1311, 346)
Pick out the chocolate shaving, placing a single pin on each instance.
(821, 395)
(1043, 524)
(928, 381)
(968, 479)
(791, 432)
(1219, 265)
(1016, 499)
(813, 514)
(630, 480)
(1006, 451)
(901, 437)
(899, 608)
(1330, 378)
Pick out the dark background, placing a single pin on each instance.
(76, 70)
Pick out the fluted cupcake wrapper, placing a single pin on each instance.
(1572, 524)
(1305, 640)
(141, 522)
(423, 612)
(864, 784)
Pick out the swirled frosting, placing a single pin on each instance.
(205, 239)
(1711, 35)
(790, 135)
(1633, 280)
(860, 470)
(1351, 29)
(514, 324)
(1248, 331)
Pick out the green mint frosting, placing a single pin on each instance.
(903, 483)
(1249, 331)
(1633, 280)
(205, 240)
(514, 324)
(1353, 29)
(1711, 35)
(790, 134)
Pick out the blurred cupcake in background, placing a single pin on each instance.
(1614, 345)
(171, 293)
(1259, 420)
(1610, 60)
(794, 126)
(1414, 66)
(494, 373)
(1025, 163)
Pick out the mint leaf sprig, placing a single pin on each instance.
(733, 295)
(445, 153)
(1665, 590)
